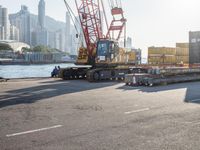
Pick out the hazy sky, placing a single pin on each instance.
(150, 22)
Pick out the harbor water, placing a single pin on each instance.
(29, 71)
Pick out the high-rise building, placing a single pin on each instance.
(129, 42)
(41, 14)
(41, 31)
(4, 29)
(42, 37)
(68, 34)
(23, 22)
(62, 40)
(51, 40)
(1, 33)
(34, 38)
(59, 40)
(14, 33)
(194, 47)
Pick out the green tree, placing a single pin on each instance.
(26, 49)
(5, 47)
(41, 48)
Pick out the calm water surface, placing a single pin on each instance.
(26, 71)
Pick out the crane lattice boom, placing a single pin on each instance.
(90, 19)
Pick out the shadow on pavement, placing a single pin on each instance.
(46, 90)
(192, 90)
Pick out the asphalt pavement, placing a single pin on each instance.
(50, 114)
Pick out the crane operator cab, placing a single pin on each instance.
(106, 52)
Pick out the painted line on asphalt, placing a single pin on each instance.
(32, 131)
(137, 111)
(195, 100)
(192, 123)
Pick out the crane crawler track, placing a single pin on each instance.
(110, 74)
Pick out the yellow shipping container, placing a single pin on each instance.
(182, 59)
(182, 45)
(162, 50)
(125, 56)
(162, 59)
(182, 51)
(131, 56)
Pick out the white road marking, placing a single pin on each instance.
(195, 100)
(136, 111)
(191, 123)
(32, 131)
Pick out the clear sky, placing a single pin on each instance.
(150, 22)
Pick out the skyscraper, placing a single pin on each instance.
(4, 31)
(14, 33)
(41, 31)
(60, 39)
(41, 13)
(23, 22)
(129, 42)
(42, 37)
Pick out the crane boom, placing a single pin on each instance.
(90, 20)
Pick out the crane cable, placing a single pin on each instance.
(109, 2)
(120, 3)
(112, 3)
(71, 13)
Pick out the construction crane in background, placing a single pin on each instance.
(102, 51)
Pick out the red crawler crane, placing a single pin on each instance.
(102, 51)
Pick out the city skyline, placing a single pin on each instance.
(25, 27)
(150, 23)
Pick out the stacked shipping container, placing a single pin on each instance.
(161, 55)
(132, 56)
(169, 55)
(194, 46)
(182, 53)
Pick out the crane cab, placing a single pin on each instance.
(106, 52)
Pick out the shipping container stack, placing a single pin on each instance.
(182, 53)
(194, 47)
(161, 55)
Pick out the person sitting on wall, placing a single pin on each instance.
(54, 73)
(59, 68)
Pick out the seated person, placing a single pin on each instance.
(55, 72)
